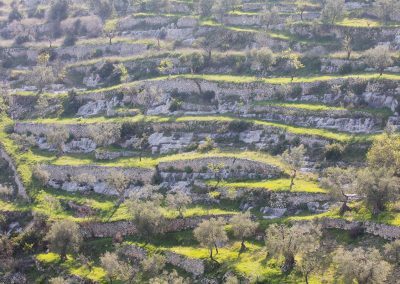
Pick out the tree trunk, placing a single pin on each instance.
(216, 249)
(288, 264)
(292, 78)
(63, 253)
(292, 179)
(306, 277)
(301, 15)
(348, 54)
(344, 208)
(110, 38)
(243, 247)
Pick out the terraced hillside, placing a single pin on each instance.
(199, 141)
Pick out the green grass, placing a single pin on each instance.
(302, 106)
(323, 133)
(363, 23)
(277, 185)
(73, 267)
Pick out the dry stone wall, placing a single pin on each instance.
(126, 228)
(64, 173)
(387, 232)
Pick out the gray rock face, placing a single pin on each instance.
(163, 144)
(83, 145)
(97, 107)
(272, 213)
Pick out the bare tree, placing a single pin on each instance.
(294, 158)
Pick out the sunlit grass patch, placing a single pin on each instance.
(277, 185)
(73, 267)
(359, 23)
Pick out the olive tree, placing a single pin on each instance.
(361, 265)
(118, 181)
(387, 9)
(294, 158)
(282, 240)
(339, 182)
(378, 186)
(269, 17)
(243, 227)
(392, 252)
(262, 59)
(57, 137)
(385, 152)
(115, 268)
(347, 44)
(312, 262)
(64, 237)
(178, 201)
(147, 217)
(42, 74)
(210, 234)
(217, 170)
(333, 10)
(153, 265)
(293, 62)
(204, 7)
(379, 58)
(104, 134)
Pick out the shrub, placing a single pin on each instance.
(334, 152)
(175, 105)
(21, 39)
(239, 125)
(69, 40)
(346, 69)
(188, 170)
(207, 146)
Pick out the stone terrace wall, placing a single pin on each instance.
(234, 163)
(126, 228)
(101, 173)
(286, 199)
(193, 266)
(387, 232)
(77, 130)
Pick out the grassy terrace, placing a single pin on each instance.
(237, 79)
(102, 206)
(252, 263)
(314, 107)
(301, 185)
(326, 134)
(146, 162)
